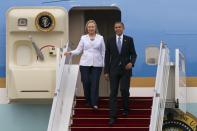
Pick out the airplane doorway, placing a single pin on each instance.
(105, 18)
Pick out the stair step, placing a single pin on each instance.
(97, 118)
(104, 122)
(107, 109)
(106, 112)
(105, 104)
(113, 128)
(116, 124)
(107, 115)
(119, 98)
(136, 100)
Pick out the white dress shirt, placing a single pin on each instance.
(93, 51)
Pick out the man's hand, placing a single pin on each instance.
(106, 76)
(128, 66)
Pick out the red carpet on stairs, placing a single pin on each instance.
(87, 119)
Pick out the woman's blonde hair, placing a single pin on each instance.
(94, 22)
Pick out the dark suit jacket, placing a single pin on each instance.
(113, 58)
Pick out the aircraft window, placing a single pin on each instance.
(152, 54)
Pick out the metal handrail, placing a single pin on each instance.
(160, 91)
(180, 81)
(66, 80)
(59, 72)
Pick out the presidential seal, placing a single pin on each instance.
(45, 22)
(179, 121)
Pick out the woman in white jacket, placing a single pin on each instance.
(91, 63)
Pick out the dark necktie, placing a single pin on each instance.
(119, 44)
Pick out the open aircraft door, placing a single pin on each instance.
(34, 36)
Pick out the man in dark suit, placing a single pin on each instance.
(120, 57)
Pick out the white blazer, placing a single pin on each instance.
(93, 51)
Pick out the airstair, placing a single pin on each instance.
(69, 112)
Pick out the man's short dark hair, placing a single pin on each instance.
(119, 22)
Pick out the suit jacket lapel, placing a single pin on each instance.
(115, 44)
(124, 41)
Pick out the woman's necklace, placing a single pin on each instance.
(92, 38)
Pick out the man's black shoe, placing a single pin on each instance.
(125, 113)
(112, 121)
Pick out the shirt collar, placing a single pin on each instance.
(117, 36)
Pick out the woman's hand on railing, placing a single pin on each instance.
(67, 53)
